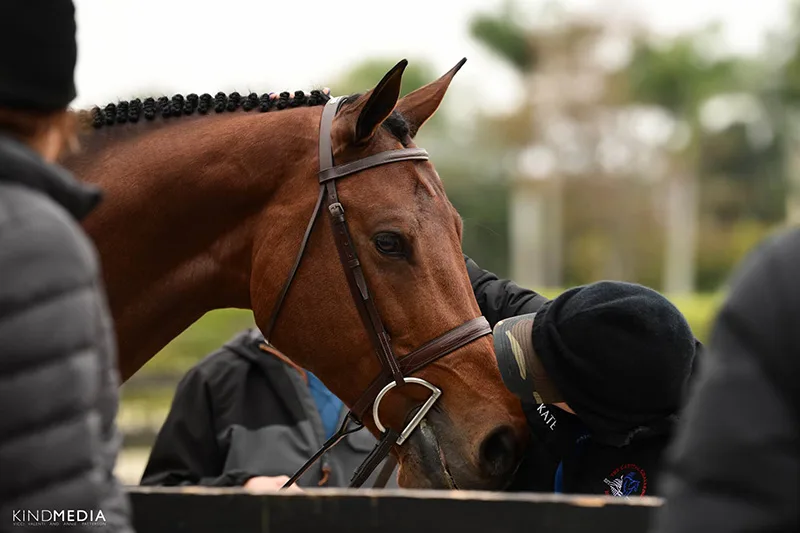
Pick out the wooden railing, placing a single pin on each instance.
(205, 510)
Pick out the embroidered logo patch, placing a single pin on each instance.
(626, 481)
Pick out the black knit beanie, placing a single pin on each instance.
(618, 353)
(37, 68)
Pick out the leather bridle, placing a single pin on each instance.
(395, 371)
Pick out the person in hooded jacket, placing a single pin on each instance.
(58, 375)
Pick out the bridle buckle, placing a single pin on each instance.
(414, 422)
(336, 209)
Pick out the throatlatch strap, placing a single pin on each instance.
(279, 303)
(378, 454)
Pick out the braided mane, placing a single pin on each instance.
(150, 108)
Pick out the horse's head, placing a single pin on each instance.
(407, 236)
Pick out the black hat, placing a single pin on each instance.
(37, 38)
(618, 353)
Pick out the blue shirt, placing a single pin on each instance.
(328, 405)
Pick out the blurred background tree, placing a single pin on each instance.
(680, 78)
(784, 97)
(669, 132)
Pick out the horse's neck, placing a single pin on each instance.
(176, 229)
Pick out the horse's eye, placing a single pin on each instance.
(390, 244)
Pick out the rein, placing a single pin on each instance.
(395, 371)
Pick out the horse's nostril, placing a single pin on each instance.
(499, 453)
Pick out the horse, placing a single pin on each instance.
(205, 204)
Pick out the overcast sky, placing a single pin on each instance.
(128, 47)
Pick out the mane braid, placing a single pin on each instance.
(132, 111)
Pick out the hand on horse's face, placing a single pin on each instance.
(261, 484)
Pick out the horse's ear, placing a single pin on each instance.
(380, 103)
(420, 105)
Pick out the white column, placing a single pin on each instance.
(528, 226)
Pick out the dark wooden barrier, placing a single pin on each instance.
(205, 510)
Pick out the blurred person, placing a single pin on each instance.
(243, 417)
(601, 372)
(58, 376)
(735, 465)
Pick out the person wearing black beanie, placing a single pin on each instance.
(39, 74)
(36, 72)
(58, 374)
(602, 372)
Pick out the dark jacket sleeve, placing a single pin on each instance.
(186, 450)
(735, 465)
(58, 379)
(500, 298)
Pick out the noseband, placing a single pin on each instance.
(394, 370)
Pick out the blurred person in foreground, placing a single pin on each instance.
(735, 465)
(58, 376)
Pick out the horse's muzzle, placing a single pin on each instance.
(437, 458)
(432, 458)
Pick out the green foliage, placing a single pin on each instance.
(483, 241)
(483, 206)
(791, 88)
(790, 84)
(203, 337)
(503, 36)
(721, 247)
(678, 76)
(149, 392)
